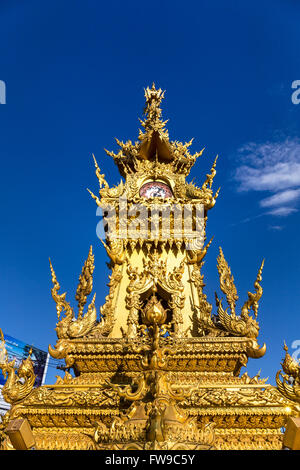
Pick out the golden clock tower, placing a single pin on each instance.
(159, 367)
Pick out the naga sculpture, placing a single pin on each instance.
(19, 381)
(288, 380)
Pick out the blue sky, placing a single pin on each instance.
(75, 73)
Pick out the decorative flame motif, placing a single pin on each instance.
(68, 326)
(227, 282)
(244, 325)
(85, 285)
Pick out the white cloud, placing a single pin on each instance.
(282, 211)
(283, 197)
(276, 228)
(272, 167)
(270, 177)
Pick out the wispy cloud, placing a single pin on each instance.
(282, 211)
(281, 198)
(276, 228)
(272, 167)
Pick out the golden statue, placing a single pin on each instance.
(158, 367)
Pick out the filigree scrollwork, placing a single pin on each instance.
(115, 251)
(106, 194)
(154, 277)
(288, 380)
(85, 285)
(197, 256)
(153, 145)
(202, 320)
(154, 421)
(107, 311)
(5, 443)
(243, 325)
(154, 382)
(224, 323)
(69, 327)
(19, 381)
(226, 281)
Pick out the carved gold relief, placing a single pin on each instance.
(19, 381)
(159, 369)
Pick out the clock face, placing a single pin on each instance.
(155, 189)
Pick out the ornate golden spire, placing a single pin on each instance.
(153, 112)
(154, 144)
(160, 367)
(155, 139)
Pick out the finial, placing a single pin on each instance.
(153, 97)
(210, 177)
(227, 281)
(153, 111)
(259, 275)
(98, 202)
(55, 289)
(217, 193)
(101, 178)
(85, 285)
(54, 280)
(253, 299)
